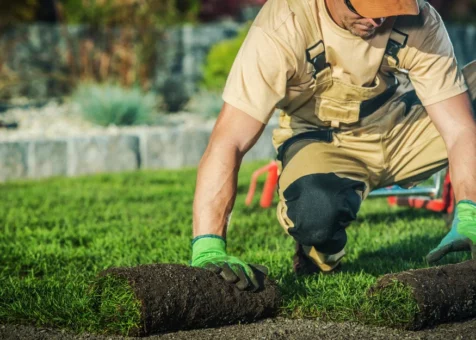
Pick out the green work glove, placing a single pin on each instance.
(462, 236)
(208, 251)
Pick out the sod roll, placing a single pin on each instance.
(174, 297)
(443, 294)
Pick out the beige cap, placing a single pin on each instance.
(385, 8)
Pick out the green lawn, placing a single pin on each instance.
(57, 234)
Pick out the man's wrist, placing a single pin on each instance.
(466, 219)
(466, 201)
(207, 245)
(207, 236)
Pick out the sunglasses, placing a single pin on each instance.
(350, 7)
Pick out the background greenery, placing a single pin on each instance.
(220, 60)
(56, 235)
(108, 104)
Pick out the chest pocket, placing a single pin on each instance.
(339, 102)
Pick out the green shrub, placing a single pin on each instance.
(112, 104)
(220, 59)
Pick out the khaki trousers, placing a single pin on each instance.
(320, 182)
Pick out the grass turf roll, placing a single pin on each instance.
(442, 294)
(170, 297)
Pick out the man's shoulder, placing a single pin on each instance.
(273, 15)
(278, 22)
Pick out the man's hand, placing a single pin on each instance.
(208, 251)
(461, 237)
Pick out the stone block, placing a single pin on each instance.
(48, 158)
(97, 154)
(195, 142)
(162, 148)
(13, 160)
(174, 147)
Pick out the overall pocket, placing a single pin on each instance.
(341, 102)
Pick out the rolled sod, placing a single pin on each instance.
(170, 297)
(442, 294)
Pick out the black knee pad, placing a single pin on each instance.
(321, 206)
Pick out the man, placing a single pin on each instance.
(371, 95)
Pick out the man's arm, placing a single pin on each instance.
(234, 134)
(454, 120)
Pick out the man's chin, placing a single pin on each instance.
(364, 34)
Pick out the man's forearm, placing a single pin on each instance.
(216, 189)
(462, 159)
(454, 119)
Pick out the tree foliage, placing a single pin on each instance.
(220, 60)
(158, 13)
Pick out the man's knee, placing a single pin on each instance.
(320, 207)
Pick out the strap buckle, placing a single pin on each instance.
(396, 42)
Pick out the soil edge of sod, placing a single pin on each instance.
(170, 297)
(436, 295)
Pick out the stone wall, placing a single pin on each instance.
(40, 61)
(150, 148)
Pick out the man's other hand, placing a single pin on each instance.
(461, 237)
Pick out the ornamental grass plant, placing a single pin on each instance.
(106, 104)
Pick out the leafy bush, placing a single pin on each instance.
(111, 104)
(220, 60)
(176, 93)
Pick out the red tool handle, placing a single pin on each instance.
(269, 185)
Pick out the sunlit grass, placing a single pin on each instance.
(56, 235)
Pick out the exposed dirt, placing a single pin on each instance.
(278, 328)
(179, 297)
(444, 294)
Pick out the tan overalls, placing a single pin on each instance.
(368, 137)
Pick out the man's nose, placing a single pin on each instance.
(377, 22)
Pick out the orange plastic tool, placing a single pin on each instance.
(269, 185)
(445, 204)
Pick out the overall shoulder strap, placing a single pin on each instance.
(396, 42)
(303, 12)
